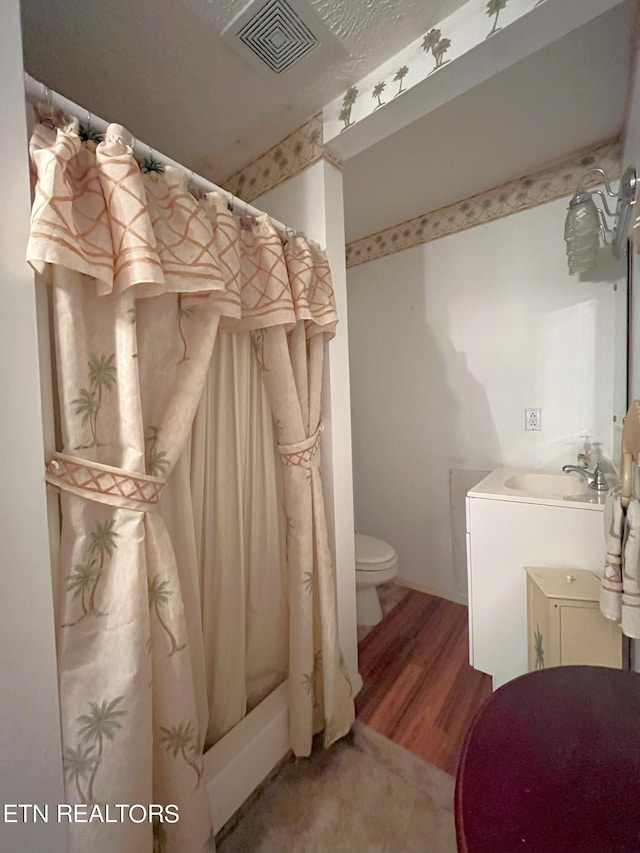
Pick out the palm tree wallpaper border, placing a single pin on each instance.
(377, 93)
(515, 196)
(438, 46)
(348, 101)
(412, 59)
(494, 7)
(399, 76)
(290, 156)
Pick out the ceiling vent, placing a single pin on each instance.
(276, 34)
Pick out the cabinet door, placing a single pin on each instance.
(586, 637)
(543, 644)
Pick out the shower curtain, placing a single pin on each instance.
(223, 505)
(141, 275)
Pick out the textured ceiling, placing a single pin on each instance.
(160, 68)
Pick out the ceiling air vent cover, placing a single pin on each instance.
(275, 34)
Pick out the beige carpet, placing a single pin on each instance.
(345, 800)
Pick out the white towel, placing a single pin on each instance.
(631, 572)
(620, 590)
(611, 588)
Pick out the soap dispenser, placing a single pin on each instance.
(585, 455)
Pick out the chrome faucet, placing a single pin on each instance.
(594, 481)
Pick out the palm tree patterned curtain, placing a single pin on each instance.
(134, 286)
(320, 694)
(141, 276)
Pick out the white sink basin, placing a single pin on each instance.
(542, 484)
(539, 487)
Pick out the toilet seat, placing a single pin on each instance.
(373, 555)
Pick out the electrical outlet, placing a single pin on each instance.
(533, 419)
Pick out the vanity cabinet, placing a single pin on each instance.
(507, 530)
(564, 623)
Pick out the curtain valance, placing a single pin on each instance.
(95, 212)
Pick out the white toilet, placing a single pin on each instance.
(376, 563)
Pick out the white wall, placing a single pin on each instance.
(449, 343)
(30, 752)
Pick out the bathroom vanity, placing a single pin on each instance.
(518, 518)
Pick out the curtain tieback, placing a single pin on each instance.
(301, 452)
(103, 483)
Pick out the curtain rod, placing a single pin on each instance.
(36, 91)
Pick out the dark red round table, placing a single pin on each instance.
(551, 764)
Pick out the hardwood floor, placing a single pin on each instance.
(419, 690)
